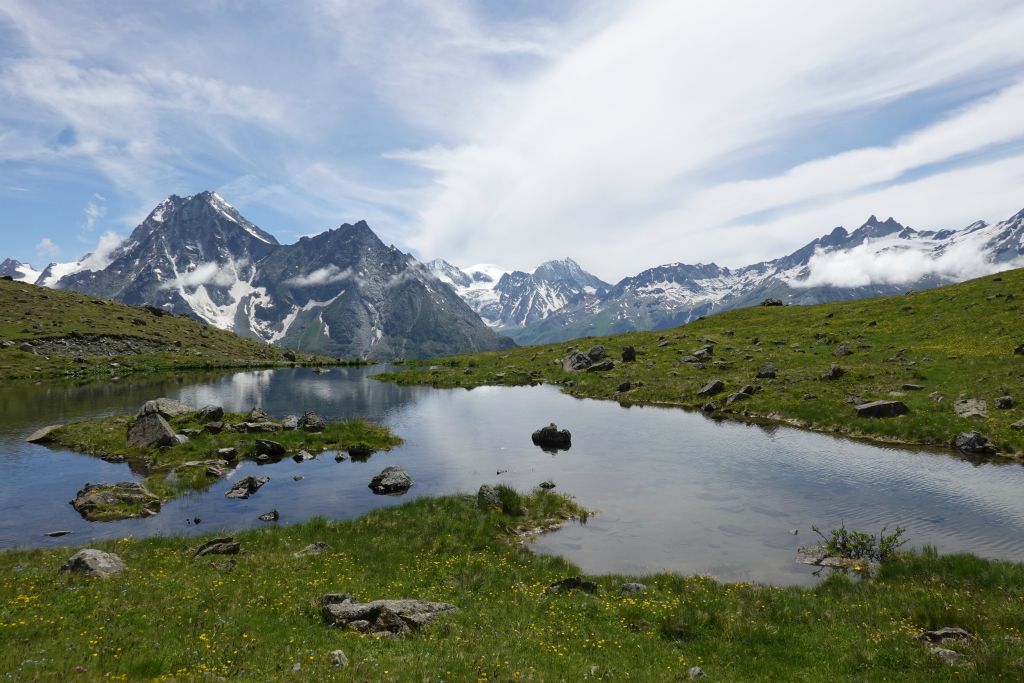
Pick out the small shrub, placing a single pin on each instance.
(861, 545)
(511, 501)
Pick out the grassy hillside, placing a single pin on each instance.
(958, 341)
(255, 616)
(47, 333)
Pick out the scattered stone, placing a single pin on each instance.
(290, 423)
(360, 451)
(487, 498)
(767, 372)
(596, 353)
(632, 588)
(552, 437)
(547, 485)
(1018, 425)
(227, 453)
(576, 361)
(27, 348)
(709, 407)
(881, 409)
(297, 477)
(974, 442)
(257, 414)
(810, 397)
(218, 546)
(244, 488)
(315, 548)
(624, 387)
(696, 672)
(602, 366)
(311, 422)
(181, 439)
(303, 456)
(271, 449)
(210, 413)
(711, 388)
(950, 657)
(842, 350)
(970, 407)
(166, 408)
(101, 502)
(834, 372)
(1019, 350)
(628, 354)
(1004, 402)
(42, 435)
(391, 618)
(260, 427)
(913, 387)
(771, 302)
(340, 457)
(151, 431)
(392, 479)
(733, 398)
(572, 583)
(213, 427)
(945, 634)
(936, 396)
(57, 534)
(339, 660)
(92, 562)
(271, 516)
(749, 390)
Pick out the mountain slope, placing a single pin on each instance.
(23, 272)
(879, 257)
(342, 293)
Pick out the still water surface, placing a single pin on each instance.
(676, 491)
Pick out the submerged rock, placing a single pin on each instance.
(271, 516)
(552, 437)
(125, 499)
(92, 562)
(243, 488)
(391, 618)
(392, 479)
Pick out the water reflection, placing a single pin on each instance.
(675, 491)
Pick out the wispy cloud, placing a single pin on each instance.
(47, 248)
(321, 276)
(203, 274)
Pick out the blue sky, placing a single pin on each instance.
(623, 134)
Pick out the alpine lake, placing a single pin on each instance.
(672, 490)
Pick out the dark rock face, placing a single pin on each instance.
(881, 409)
(602, 366)
(596, 353)
(572, 583)
(269, 448)
(151, 431)
(392, 479)
(624, 387)
(115, 501)
(552, 437)
(92, 562)
(1004, 402)
(834, 372)
(311, 422)
(771, 302)
(211, 413)
(975, 443)
(392, 618)
(628, 354)
(244, 488)
(711, 388)
(218, 546)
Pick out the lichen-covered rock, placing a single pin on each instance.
(166, 408)
(391, 618)
(311, 422)
(487, 498)
(151, 431)
(122, 500)
(92, 562)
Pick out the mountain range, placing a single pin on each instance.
(344, 293)
(561, 301)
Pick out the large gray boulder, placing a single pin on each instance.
(105, 502)
(487, 498)
(711, 388)
(881, 409)
(311, 422)
(166, 408)
(151, 431)
(211, 413)
(243, 488)
(576, 361)
(92, 562)
(392, 479)
(391, 618)
(43, 434)
(975, 443)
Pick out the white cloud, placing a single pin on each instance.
(894, 262)
(321, 276)
(100, 257)
(93, 211)
(203, 274)
(47, 248)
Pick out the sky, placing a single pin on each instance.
(621, 134)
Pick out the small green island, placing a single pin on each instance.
(181, 448)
